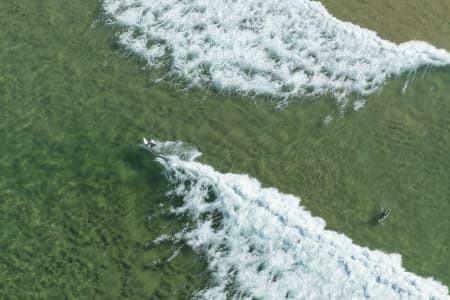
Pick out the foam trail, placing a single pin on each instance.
(259, 243)
(279, 48)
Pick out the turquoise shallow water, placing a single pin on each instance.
(76, 191)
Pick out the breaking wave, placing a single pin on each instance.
(279, 48)
(260, 243)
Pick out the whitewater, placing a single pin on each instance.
(260, 243)
(279, 48)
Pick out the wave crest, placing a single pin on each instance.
(259, 243)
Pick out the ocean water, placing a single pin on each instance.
(86, 212)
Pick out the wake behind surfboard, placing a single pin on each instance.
(166, 149)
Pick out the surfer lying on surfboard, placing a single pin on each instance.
(384, 214)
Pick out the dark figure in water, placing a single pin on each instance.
(150, 143)
(384, 215)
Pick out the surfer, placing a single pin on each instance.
(150, 143)
(384, 215)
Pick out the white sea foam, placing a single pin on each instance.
(279, 48)
(260, 243)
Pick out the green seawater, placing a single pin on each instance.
(79, 200)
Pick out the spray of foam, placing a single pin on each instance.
(279, 48)
(260, 244)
